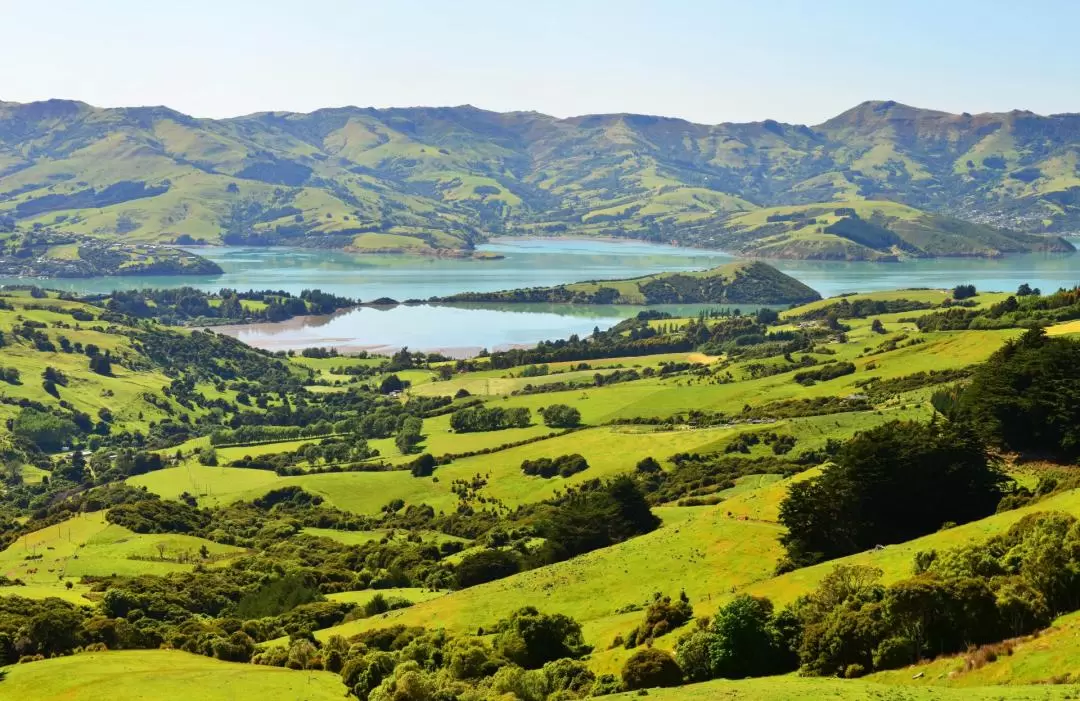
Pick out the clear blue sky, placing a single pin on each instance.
(705, 61)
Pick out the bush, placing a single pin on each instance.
(651, 668)
(661, 617)
(423, 466)
(532, 639)
(561, 416)
(486, 566)
(648, 466)
(563, 466)
(48, 432)
(963, 292)
(481, 418)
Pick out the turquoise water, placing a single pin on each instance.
(528, 262)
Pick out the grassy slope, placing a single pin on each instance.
(131, 675)
(87, 544)
(796, 689)
(896, 561)
(1053, 653)
(697, 548)
(419, 177)
(122, 393)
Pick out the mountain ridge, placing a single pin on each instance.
(426, 179)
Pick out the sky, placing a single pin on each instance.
(710, 62)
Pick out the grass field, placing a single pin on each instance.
(361, 537)
(697, 549)
(793, 688)
(710, 552)
(1052, 654)
(88, 545)
(896, 561)
(413, 594)
(144, 675)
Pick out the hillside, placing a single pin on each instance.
(868, 230)
(175, 506)
(735, 283)
(43, 254)
(437, 180)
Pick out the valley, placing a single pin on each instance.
(562, 351)
(392, 495)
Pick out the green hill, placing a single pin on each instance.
(437, 180)
(868, 230)
(735, 283)
(313, 513)
(162, 674)
(44, 254)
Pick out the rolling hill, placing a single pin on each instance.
(438, 180)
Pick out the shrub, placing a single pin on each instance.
(561, 416)
(662, 616)
(486, 566)
(648, 466)
(481, 418)
(532, 639)
(963, 292)
(563, 466)
(423, 466)
(651, 668)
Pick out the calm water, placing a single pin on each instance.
(528, 263)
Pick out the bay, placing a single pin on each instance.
(465, 329)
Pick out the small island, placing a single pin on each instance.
(51, 255)
(751, 282)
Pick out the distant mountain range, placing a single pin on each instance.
(880, 180)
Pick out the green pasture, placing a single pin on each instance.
(162, 675)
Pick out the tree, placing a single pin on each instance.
(650, 668)
(766, 316)
(744, 642)
(532, 639)
(410, 435)
(963, 292)
(101, 364)
(47, 431)
(423, 465)
(877, 327)
(1026, 396)
(74, 469)
(208, 457)
(1026, 290)
(648, 466)
(484, 418)
(391, 384)
(561, 416)
(892, 483)
(595, 516)
(486, 566)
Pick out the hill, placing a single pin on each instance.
(735, 283)
(438, 180)
(868, 230)
(192, 498)
(162, 674)
(42, 254)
